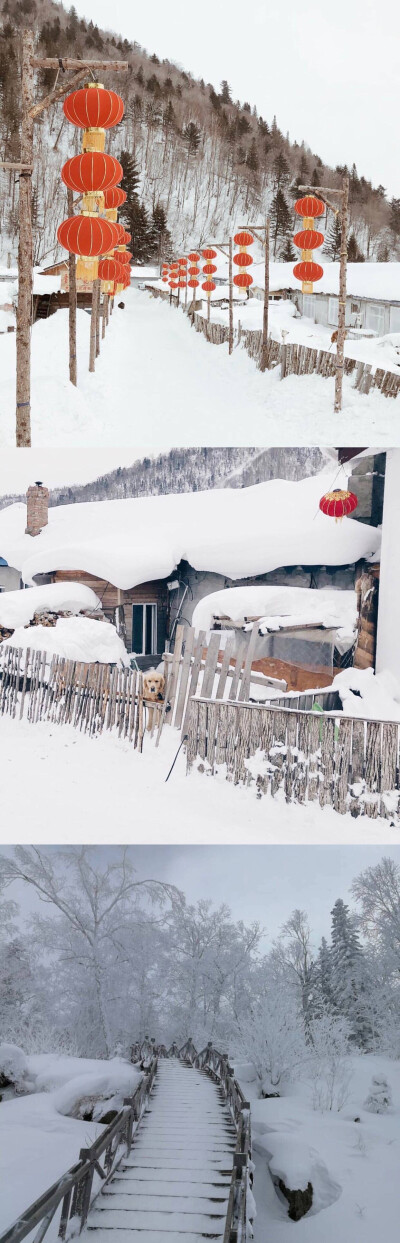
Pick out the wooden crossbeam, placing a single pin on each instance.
(66, 62)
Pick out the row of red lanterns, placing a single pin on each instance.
(95, 175)
(179, 276)
(308, 239)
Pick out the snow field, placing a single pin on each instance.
(82, 787)
(159, 381)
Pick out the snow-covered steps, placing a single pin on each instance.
(175, 1182)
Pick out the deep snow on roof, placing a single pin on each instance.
(376, 281)
(279, 607)
(17, 608)
(239, 533)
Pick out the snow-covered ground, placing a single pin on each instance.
(36, 1135)
(353, 1165)
(159, 382)
(79, 788)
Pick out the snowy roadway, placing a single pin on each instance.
(90, 789)
(159, 383)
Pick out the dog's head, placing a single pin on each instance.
(153, 685)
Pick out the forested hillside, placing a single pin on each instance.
(196, 161)
(192, 470)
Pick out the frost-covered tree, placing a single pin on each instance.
(271, 1035)
(329, 1062)
(293, 956)
(379, 1097)
(349, 973)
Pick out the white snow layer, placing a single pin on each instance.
(76, 638)
(277, 607)
(239, 533)
(17, 608)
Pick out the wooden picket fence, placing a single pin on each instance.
(348, 763)
(91, 697)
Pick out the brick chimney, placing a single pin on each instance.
(37, 508)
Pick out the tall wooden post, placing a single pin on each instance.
(72, 302)
(230, 338)
(264, 345)
(208, 309)
(25, 251)
(342, 298)
(97, 283)
(92, 340)
(104, 319)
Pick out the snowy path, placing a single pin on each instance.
(159, 383)
(175, 1183)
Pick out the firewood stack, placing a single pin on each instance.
(367, 587)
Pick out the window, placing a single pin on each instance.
(394, 319)
(333, 310)
(144, 629)
(375, 318)
(309, 305)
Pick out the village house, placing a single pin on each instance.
(151, 561)
(372, 301)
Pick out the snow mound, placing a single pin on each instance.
(366, 694)
(277, 607)
(113, 1083)
(75, 638)
(297, 1165)
(17, 608)
(14, 1066)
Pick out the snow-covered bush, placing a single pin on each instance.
(379, 1096)
(330, 1063)
(84, 1095)
(272, 1035)
(14, 1068)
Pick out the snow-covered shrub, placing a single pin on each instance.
(379, 1096)
(272, 1035)
(84, 1096)
(330, 1063)
(14, 1068)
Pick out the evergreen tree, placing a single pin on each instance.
(288, 254)
(133, 212)
(225, 92)
(281, 170)
(354, 254)
(333, 239)
(252, 157)
(191, 136)
(280, 220)
(349, 975)
(324, 975)
(394, 222)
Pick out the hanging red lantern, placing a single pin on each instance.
(110, 272)
(309, 207)
(209, 269)
(124, 256)
(114, 197)
(94, 110)
(308, 272)
(90, 174)
(208, 286)
(338, 503)
(308, 239)
(209, 253)
(193, 271)
(88, 237)
(193, 257)
(243, 259)
(193, 284)
(127, 237)
(243, 280)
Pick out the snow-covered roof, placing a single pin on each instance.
(277, 608)
(376, 281)
(17, 608)
(239, 533)
(75, 638)
(145, 273)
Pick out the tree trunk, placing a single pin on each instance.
(72, 302)
(104, 320)
(230, 295)
(92, 347)
(342, 299)
(97, 321)
(264, 346)
(25, 252)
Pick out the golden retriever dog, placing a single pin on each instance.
(153, 696)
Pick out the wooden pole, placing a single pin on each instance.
(341, 332)
(72, 302)
(97, 311)
(92, 345)
(230, 339)
(104, 321)
(25, 253)
(208, 308)
(264, 345)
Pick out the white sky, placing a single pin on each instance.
(263, 883)
(328, 71)
(55, 468)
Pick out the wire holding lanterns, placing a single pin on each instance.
(307, 240)
(338, 503)
(208, 271)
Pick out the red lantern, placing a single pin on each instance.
(124, 256)
(242, 259)
(309, 207)
(243, 280)
(94, 110)
(181, 284)
(193, 284)
(114, 197)
(307, 272)
(126, 238)
(209, 253)
(91, 171)
(308, 239)
(338, 503)
(194, 271)
(209, 269)
(193, 257)
(110, 272)
(208, 286)
(243, 239)
(88, 237)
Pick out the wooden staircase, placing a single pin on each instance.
(175, 1182)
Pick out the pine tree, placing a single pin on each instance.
(133, 212)
(349, 975)
(354, 254)
(324, 974)
(288, 254)
(252, 158)
(191, 136)
(225, 92)
(280, 219)
(281, 170)
(333, 239)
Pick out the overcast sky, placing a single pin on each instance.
(328, 71)
(263, 883)
(55, 468)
